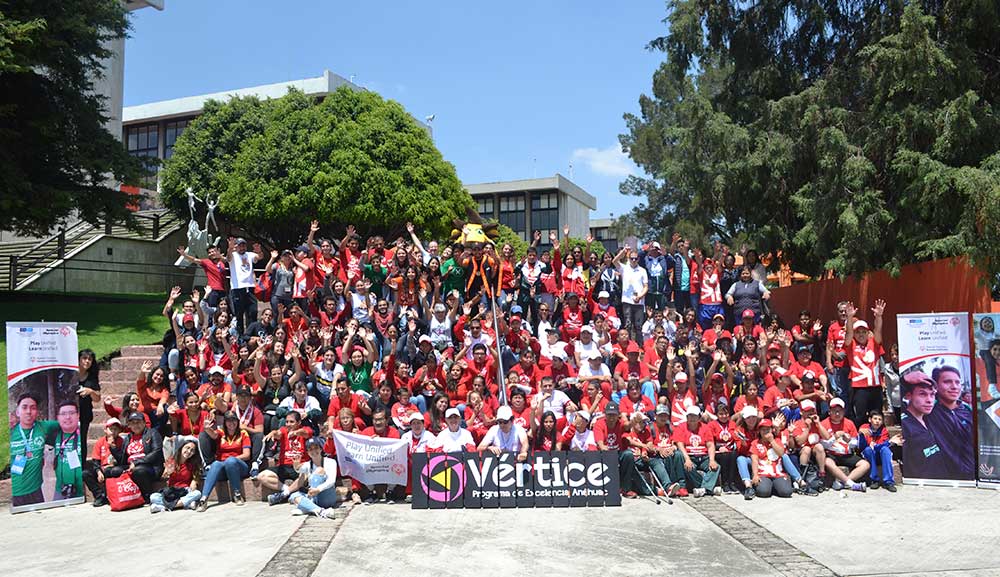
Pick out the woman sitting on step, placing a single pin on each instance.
(232, 458)
(315, 490)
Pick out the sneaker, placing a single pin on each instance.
(100, 501)
(661, 493)
(874, 485)
(238, 499)
(699, 492)
(810, 492)
(254, 470)
(387, 499)
(891, 487)
(369, 500)
(407, 499)
(327, 513)
(749, 493)
(276, 498)
(154, 508)
(682, 492)
(202, 505)
(837, 485)
(355, 498)
(673, 489)
(859, 487)
(717, 491)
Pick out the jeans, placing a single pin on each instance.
(728, 477)
(144, 476)
(791, 415)
(232, 469)
(628, 471)
(701, 475)
(779, 486)
(668, 469)
(879, 456)
(312, 505)
(633, 317)
(743, 466)
(184, 502)
(420, 401)
(244, 307)
(682, 299)
(790, 467)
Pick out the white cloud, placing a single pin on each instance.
(610, 161)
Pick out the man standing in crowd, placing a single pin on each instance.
(635, 285)
(242, 282)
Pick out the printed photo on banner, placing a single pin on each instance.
(47, 447)
(986, 356)
(936, 380)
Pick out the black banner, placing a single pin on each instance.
(546, 479)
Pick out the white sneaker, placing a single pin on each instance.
(717, 491)
(154, 508)
(699, 492)
(297, 511)
(837, 485)
(327, 513)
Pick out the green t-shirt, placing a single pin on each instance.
(377, 276)
(455, 279)
(22, 444)
(359, 378)
(69, 462)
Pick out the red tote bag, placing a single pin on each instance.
(123, 493)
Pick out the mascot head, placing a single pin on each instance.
(473, 233)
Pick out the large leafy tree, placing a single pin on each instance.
(56, 157)
(847, 135)
(352, 158)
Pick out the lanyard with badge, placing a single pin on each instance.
(20, 461)
(71, 456)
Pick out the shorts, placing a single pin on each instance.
(849, 461)
(285, 472)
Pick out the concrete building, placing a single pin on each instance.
(603, 230)
(150, 130)
(544, 204)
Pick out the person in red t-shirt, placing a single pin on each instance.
(836, 354)
(803, 364)
(609, 434)
(344, 399)
(182, 471)
(864, 349)
(665, 460)
(724, 436)
(291, 441)
(840, 450)
(231, 460)
(779, 398)
(102, 463)
(768, 473)
(694, 441)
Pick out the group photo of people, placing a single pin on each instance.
(669, 355)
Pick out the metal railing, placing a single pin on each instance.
(169, 274)
(54, 248)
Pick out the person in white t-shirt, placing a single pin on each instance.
(582, 438)
(551, 398)
(635, 285)
(454, 438)
(506, 436)
(418, 438)
(242, 282)
(594, 369)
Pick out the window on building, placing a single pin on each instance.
(485, 207)
(143, 141)
(545, 216)
(171, 133)
(512, 214)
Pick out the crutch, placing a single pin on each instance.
(662, 488)
(648, 488)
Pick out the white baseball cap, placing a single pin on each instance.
(603, 295)
(693, 410)
(807, 405)
(504, 413)
(415, 416)
(749, 411)
(584, 414)
(838, 402)
(452, 412)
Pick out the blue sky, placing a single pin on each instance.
(519, 88)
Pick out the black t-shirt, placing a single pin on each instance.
(86, 403)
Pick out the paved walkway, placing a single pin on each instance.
(918, 532)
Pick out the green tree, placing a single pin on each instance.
(850, 136)
(352, 158)
(56, 157)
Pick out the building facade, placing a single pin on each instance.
(543, 204)
(603, 230)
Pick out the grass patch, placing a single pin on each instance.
(103, 327)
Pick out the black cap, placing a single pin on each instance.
(135, 416)
(244, 392)
(612, 409)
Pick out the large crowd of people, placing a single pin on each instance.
(667, 355)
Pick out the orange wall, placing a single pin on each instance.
(947, 285)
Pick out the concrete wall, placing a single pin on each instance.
(121, 271)
(575, 214)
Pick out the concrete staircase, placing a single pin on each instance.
(33, 259)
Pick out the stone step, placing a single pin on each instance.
(132, 363)
(142, 351)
